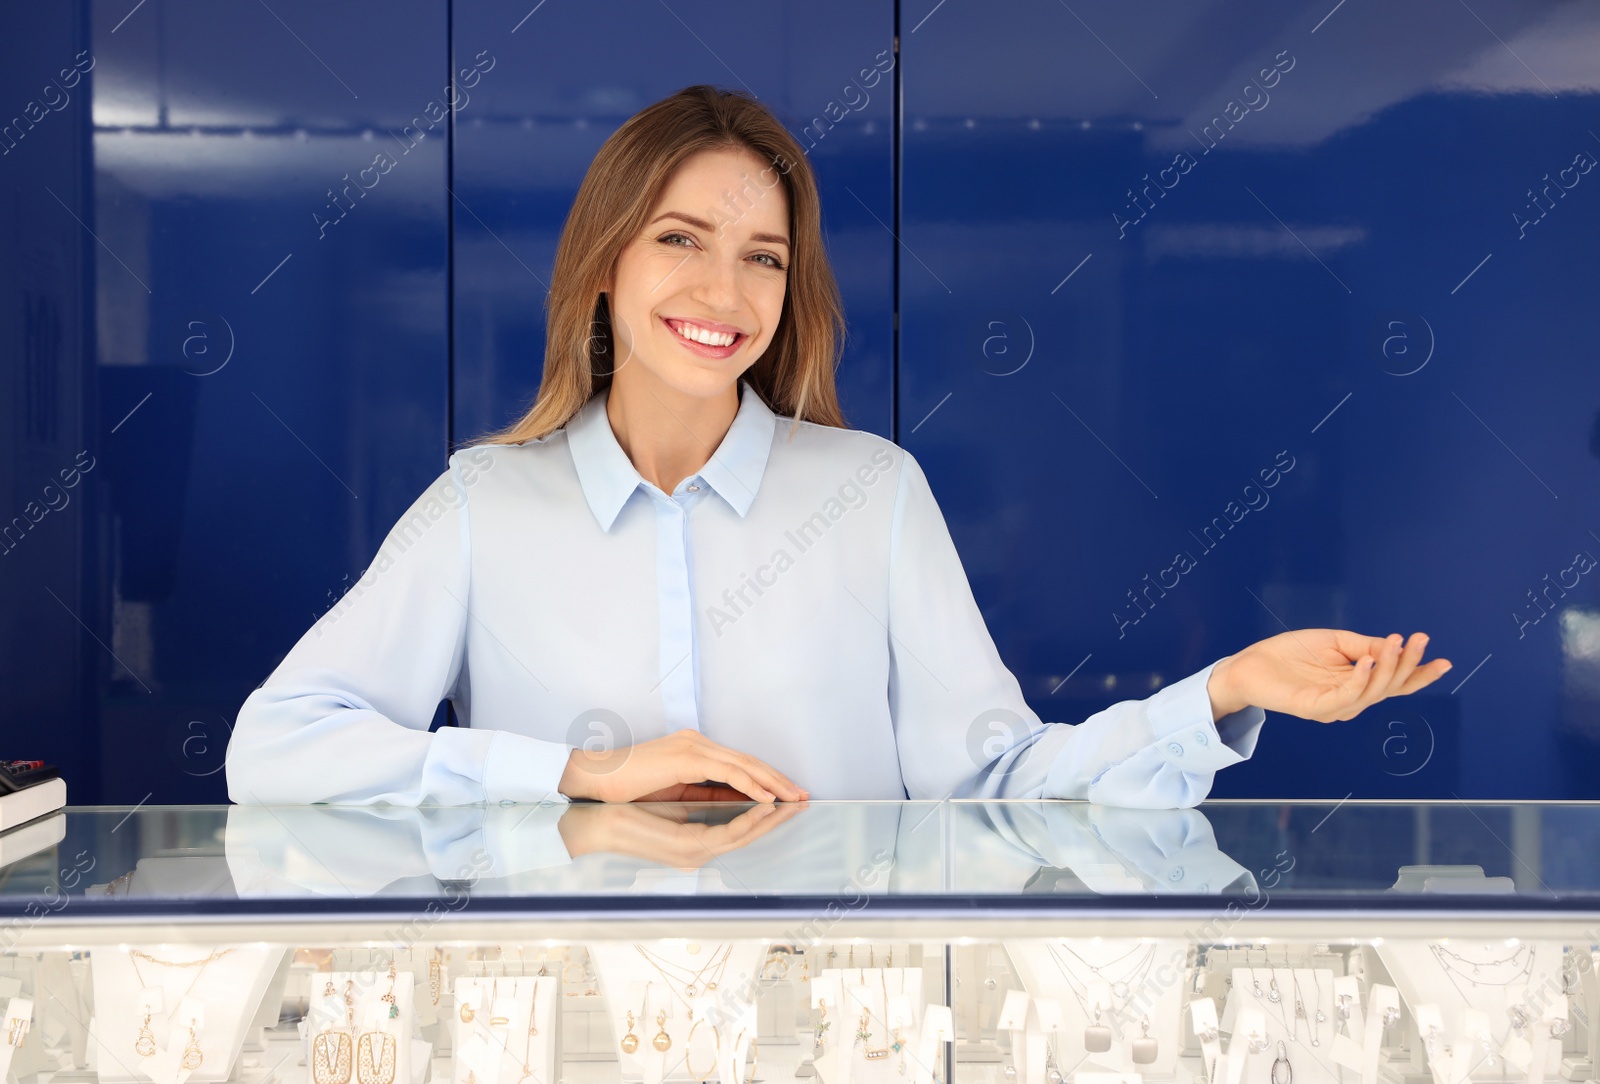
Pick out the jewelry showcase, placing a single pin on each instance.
(990, 942)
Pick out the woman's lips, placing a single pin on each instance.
(702, 349)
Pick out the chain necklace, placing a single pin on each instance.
(1454, 964)
(1123, 988)
(692, 985)
(1120, 988)
(533, 1029)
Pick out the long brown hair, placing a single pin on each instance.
(795, 376)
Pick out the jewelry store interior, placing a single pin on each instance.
(1036, 943)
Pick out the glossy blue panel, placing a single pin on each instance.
(253, 357)
(1334, 267)
(567, 75)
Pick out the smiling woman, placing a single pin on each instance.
(567, 605)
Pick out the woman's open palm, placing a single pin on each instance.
(1328, 674)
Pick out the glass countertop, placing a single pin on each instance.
(933, 857)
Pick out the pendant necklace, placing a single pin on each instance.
(697, 982)
(1097, 1036)
(1300, 1007)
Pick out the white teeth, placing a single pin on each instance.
(701, 335)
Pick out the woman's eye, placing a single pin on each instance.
(775, 264)
(667, 238)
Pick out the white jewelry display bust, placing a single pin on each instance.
(1136, 979)
(511, 1036)
(218, 998)
(1289, 1001)
(1508, 974)
(630, 981)
(893, 1001)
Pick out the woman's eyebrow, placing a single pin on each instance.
(702, 224)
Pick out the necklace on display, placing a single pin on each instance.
(1316, 981)
(697, 981)
(1120, 988)
(1097, 1036)
(1300, 1007)
(1453, 964)
(533, 1029)
(145, 1043)
(1291, 1024)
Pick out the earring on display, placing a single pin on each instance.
(330, 1057)
(1097, 1036)
(192, 1055)
(383, 1071)
(662, 1041)
(818, 1044)
(145, 1044)
(1144, 1047)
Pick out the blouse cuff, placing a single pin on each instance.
(517, 768)
(1186, 736)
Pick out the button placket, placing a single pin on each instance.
(676, 600)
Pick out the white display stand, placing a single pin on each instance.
(512, 1030)
(1138, 985)
(379, 1034)
(893, 1003)
(726, 1016)
(1287, 1002)
(1470, 1010)
(14, 1027)
(216, 1002)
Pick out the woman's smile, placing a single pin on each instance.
(711, 340)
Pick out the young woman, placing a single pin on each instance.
(680, 576)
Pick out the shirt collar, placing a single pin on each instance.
(609, 478)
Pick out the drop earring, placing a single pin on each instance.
(1097, 1036)
(192, 1055)
(145, 1044)
(1144, 1047)
(661, 1041)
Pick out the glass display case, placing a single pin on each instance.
(1034, 942)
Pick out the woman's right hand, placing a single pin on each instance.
(675, 768)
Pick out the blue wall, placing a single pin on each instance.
(1139, 256)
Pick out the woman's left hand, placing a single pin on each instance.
(1321, 674)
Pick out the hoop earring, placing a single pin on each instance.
(688, 1048)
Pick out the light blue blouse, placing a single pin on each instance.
(799, 599)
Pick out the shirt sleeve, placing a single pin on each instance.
(344, 717)
(963, 729)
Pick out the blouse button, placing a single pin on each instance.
(1200, 736)
(1175, 749)
(694, 489)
